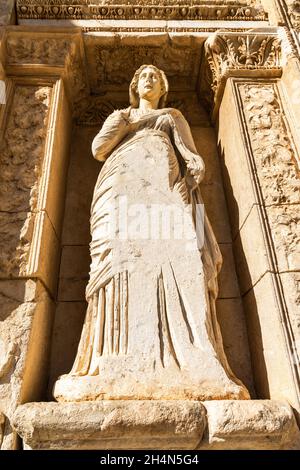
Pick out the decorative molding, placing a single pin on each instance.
(246, 10)
(243, 55)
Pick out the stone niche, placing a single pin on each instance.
(232, 87)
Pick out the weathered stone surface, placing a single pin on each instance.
(25, 320)
(271, 143)
(22, 153)
(255, 425)
(112, 425)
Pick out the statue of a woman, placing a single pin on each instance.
(150, 330)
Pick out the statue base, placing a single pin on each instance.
(154, 424)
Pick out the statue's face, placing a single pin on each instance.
(149, 85)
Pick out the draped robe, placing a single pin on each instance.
(150, 329)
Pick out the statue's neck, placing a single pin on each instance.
(146, 105)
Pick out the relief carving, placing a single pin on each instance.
(20, 169)
(246, 10)
(277, 168)
(181, 63)
(275, 157)
(30, 50)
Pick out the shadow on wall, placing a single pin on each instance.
(252, 318)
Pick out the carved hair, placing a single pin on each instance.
(133, 87)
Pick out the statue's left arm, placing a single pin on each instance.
(185, 144)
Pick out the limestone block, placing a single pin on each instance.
(250, 252)
(69, 317)
(112, 425)
(231, 318)
(232, 151)
(26, 320)
(250, 425)
(272, 367)
(171, 424)
(73, 276)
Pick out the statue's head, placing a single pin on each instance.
(150, 83)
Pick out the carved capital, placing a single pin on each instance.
(244, 55)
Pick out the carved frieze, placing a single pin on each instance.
(38, 50)
(22, 151)
(141, 9)
(229, 54)
(276, 159)
(276, 167)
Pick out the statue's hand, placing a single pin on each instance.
(196, 169)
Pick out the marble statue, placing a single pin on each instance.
(150, 330)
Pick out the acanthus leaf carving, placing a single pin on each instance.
(231, 54)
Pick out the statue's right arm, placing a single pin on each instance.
(110, 135)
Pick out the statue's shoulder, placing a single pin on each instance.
(175, 112)
(120, 112)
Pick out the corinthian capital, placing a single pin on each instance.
(244, 55)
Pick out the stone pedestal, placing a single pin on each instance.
(169, 424)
